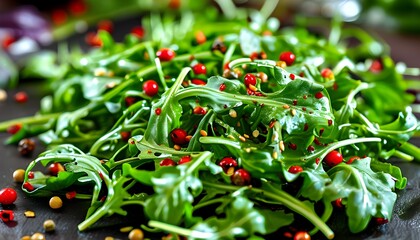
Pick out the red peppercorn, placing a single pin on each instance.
(219, 45)
(227, 162)
(178, 136)
(200, 37)
(13, 129)
(287, 57)
(58, 16)
(7, 215)
(302, 235)
(198, 82)
(226, 66)
(158, 111)
(351, 160)
(319, 95)
(292, 146)
(380, 221)
(106, 25)
(71, 195)
(7, 41)
(295, 169)
(250, 79)
(311, 148)
(292, 76)
(21, 97)
(241, 177)
(333, 158)
(7, 196)
(174, 4)
(26, 147)
(130, 101)
(77, 7)
(167, 162)
(338, 203)
(138, 32)
(222, 87)
(93, 39)
(31, 174)
(253, 56)
(125, 135)
(199, 110)
(28, 186)
(165, 54)
(199, 68)
(327, 73)
(184, 159)
(150, 88)
(376, 66)
(55, 168)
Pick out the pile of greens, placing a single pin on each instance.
(111, 137)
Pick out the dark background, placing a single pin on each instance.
(405, 224)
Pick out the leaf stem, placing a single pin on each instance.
(180, 230)
(285, 199)
(37, 119)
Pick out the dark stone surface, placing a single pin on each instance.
(404, 225)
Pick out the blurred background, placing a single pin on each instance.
(28, 25)
(45, 21)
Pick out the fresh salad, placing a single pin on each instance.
(223, 126)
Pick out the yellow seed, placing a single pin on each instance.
(248, 150)
(188, 138)
(252, 88)
(203, 133)
(29, 214)
(281, 145)
(255, 133)
(111, 73)
(99, 72)
(263, 77)
(49, 225)
(231, 137)
(237, 72)
(275, 155)
(242, 138)
(281, 64)
(3, 95)
(37, 236)
(238, 124)
(177, 147)
(26, 237)
(230, 171)
(285, 106)
(126, 229)
(109, 238)
(19, 175)
(56, 202)
(246, 135)
(293, 112)
(111, 85)
(136, 234)
(227, 73)
(232, 113)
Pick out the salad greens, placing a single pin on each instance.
(115, 140)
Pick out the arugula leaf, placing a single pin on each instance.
(368, 193)
(243, 219)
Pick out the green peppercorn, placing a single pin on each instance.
(49, 225)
